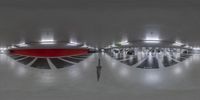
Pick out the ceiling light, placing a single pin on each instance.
(187, 46)
(124, 43)
(3, 49)
(12, 47)
(196, 48)
(23, 44)
(152, 37)
(90, 47)
(177, 43)
(113, 45)
(47, 41)
(73, 43)
(152, 41)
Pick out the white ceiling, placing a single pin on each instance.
(98, 22)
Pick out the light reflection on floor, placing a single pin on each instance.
(116, 79)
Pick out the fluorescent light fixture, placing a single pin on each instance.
(11, 47)
(113, 45)
(187, 46)
(47, 41)
(23, 44)
(177, 43)
(124, 43)
(73, 43)
(3, 49)
(90, 47)
(152, 41)
(196, 48)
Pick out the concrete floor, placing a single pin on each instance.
(118, 81)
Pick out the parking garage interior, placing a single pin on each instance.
(99, 49)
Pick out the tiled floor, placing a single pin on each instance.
(117, 81)
(168, 62)
(27, 60)
(60, 63)
(43, 63)
(151, 61)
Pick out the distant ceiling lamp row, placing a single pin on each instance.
(124, 43)
(22, 44)
(151, 40)
(47, 41)
(196, 48)
(177, 43)
(148, 40)
(51, 42)
(3, 49)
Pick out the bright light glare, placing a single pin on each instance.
(91, 47)
(3, 49)
(152, 41)
(12, 46)
(196, 48)
(73, 43)
(23, 44)
(113, 45)
(47, 41)
(125, 42)
(177, 43)
(187, 46)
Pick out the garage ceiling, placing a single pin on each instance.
(99, 23)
